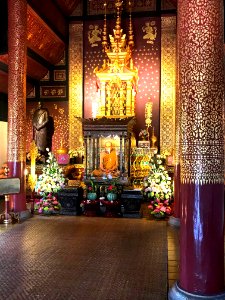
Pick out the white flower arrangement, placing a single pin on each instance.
(158, 188)
(52, 179)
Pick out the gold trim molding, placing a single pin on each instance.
(75, 85)
(168, 84)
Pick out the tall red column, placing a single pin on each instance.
(17, 38)
(201, 77)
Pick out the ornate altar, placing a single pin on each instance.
(98, 134)
(108, 136)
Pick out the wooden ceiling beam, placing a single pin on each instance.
(42, 40)
(51, 15)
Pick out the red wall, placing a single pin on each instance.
(146, 58)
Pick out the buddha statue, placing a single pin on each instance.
(108, 161)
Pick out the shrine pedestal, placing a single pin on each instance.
(70, 199)
(112, 208)
(131, 202)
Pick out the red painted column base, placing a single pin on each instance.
(202, 239)
(176, 293)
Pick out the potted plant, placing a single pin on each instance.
(111, 192)
(112, 205)
(92, 190)
(90, 206)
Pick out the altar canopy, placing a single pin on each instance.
(117, 78)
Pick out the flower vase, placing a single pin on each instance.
(92, 196)
(159, 216)
(47, 212)
(111, 196)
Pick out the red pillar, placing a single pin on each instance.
(201, 77)
(17, 38)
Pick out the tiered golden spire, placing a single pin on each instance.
(118, 43)
(131, 36)
(104, 35)
(118, 76)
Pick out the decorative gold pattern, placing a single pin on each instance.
(97, 7)
(176, 152)
(148, 114)
(150, 32)
(75, 85)
(33, 155)
(62, 62)
(53, 91)
(46, 77)
(59, 112)
(201, 75)
(168, 84)
(59, 75)
(94, 35)
(60, 116)
(17, 81)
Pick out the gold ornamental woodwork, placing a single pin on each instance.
(41, 39)
(201, 81)
(168, 85)
(148, 114)
(75, 86)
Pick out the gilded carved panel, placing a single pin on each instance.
(41, 39)
(75, 85)
(168, 84)
(96, 7)
(201, 75)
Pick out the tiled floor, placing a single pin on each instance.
(173, 251)
(84, 258)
